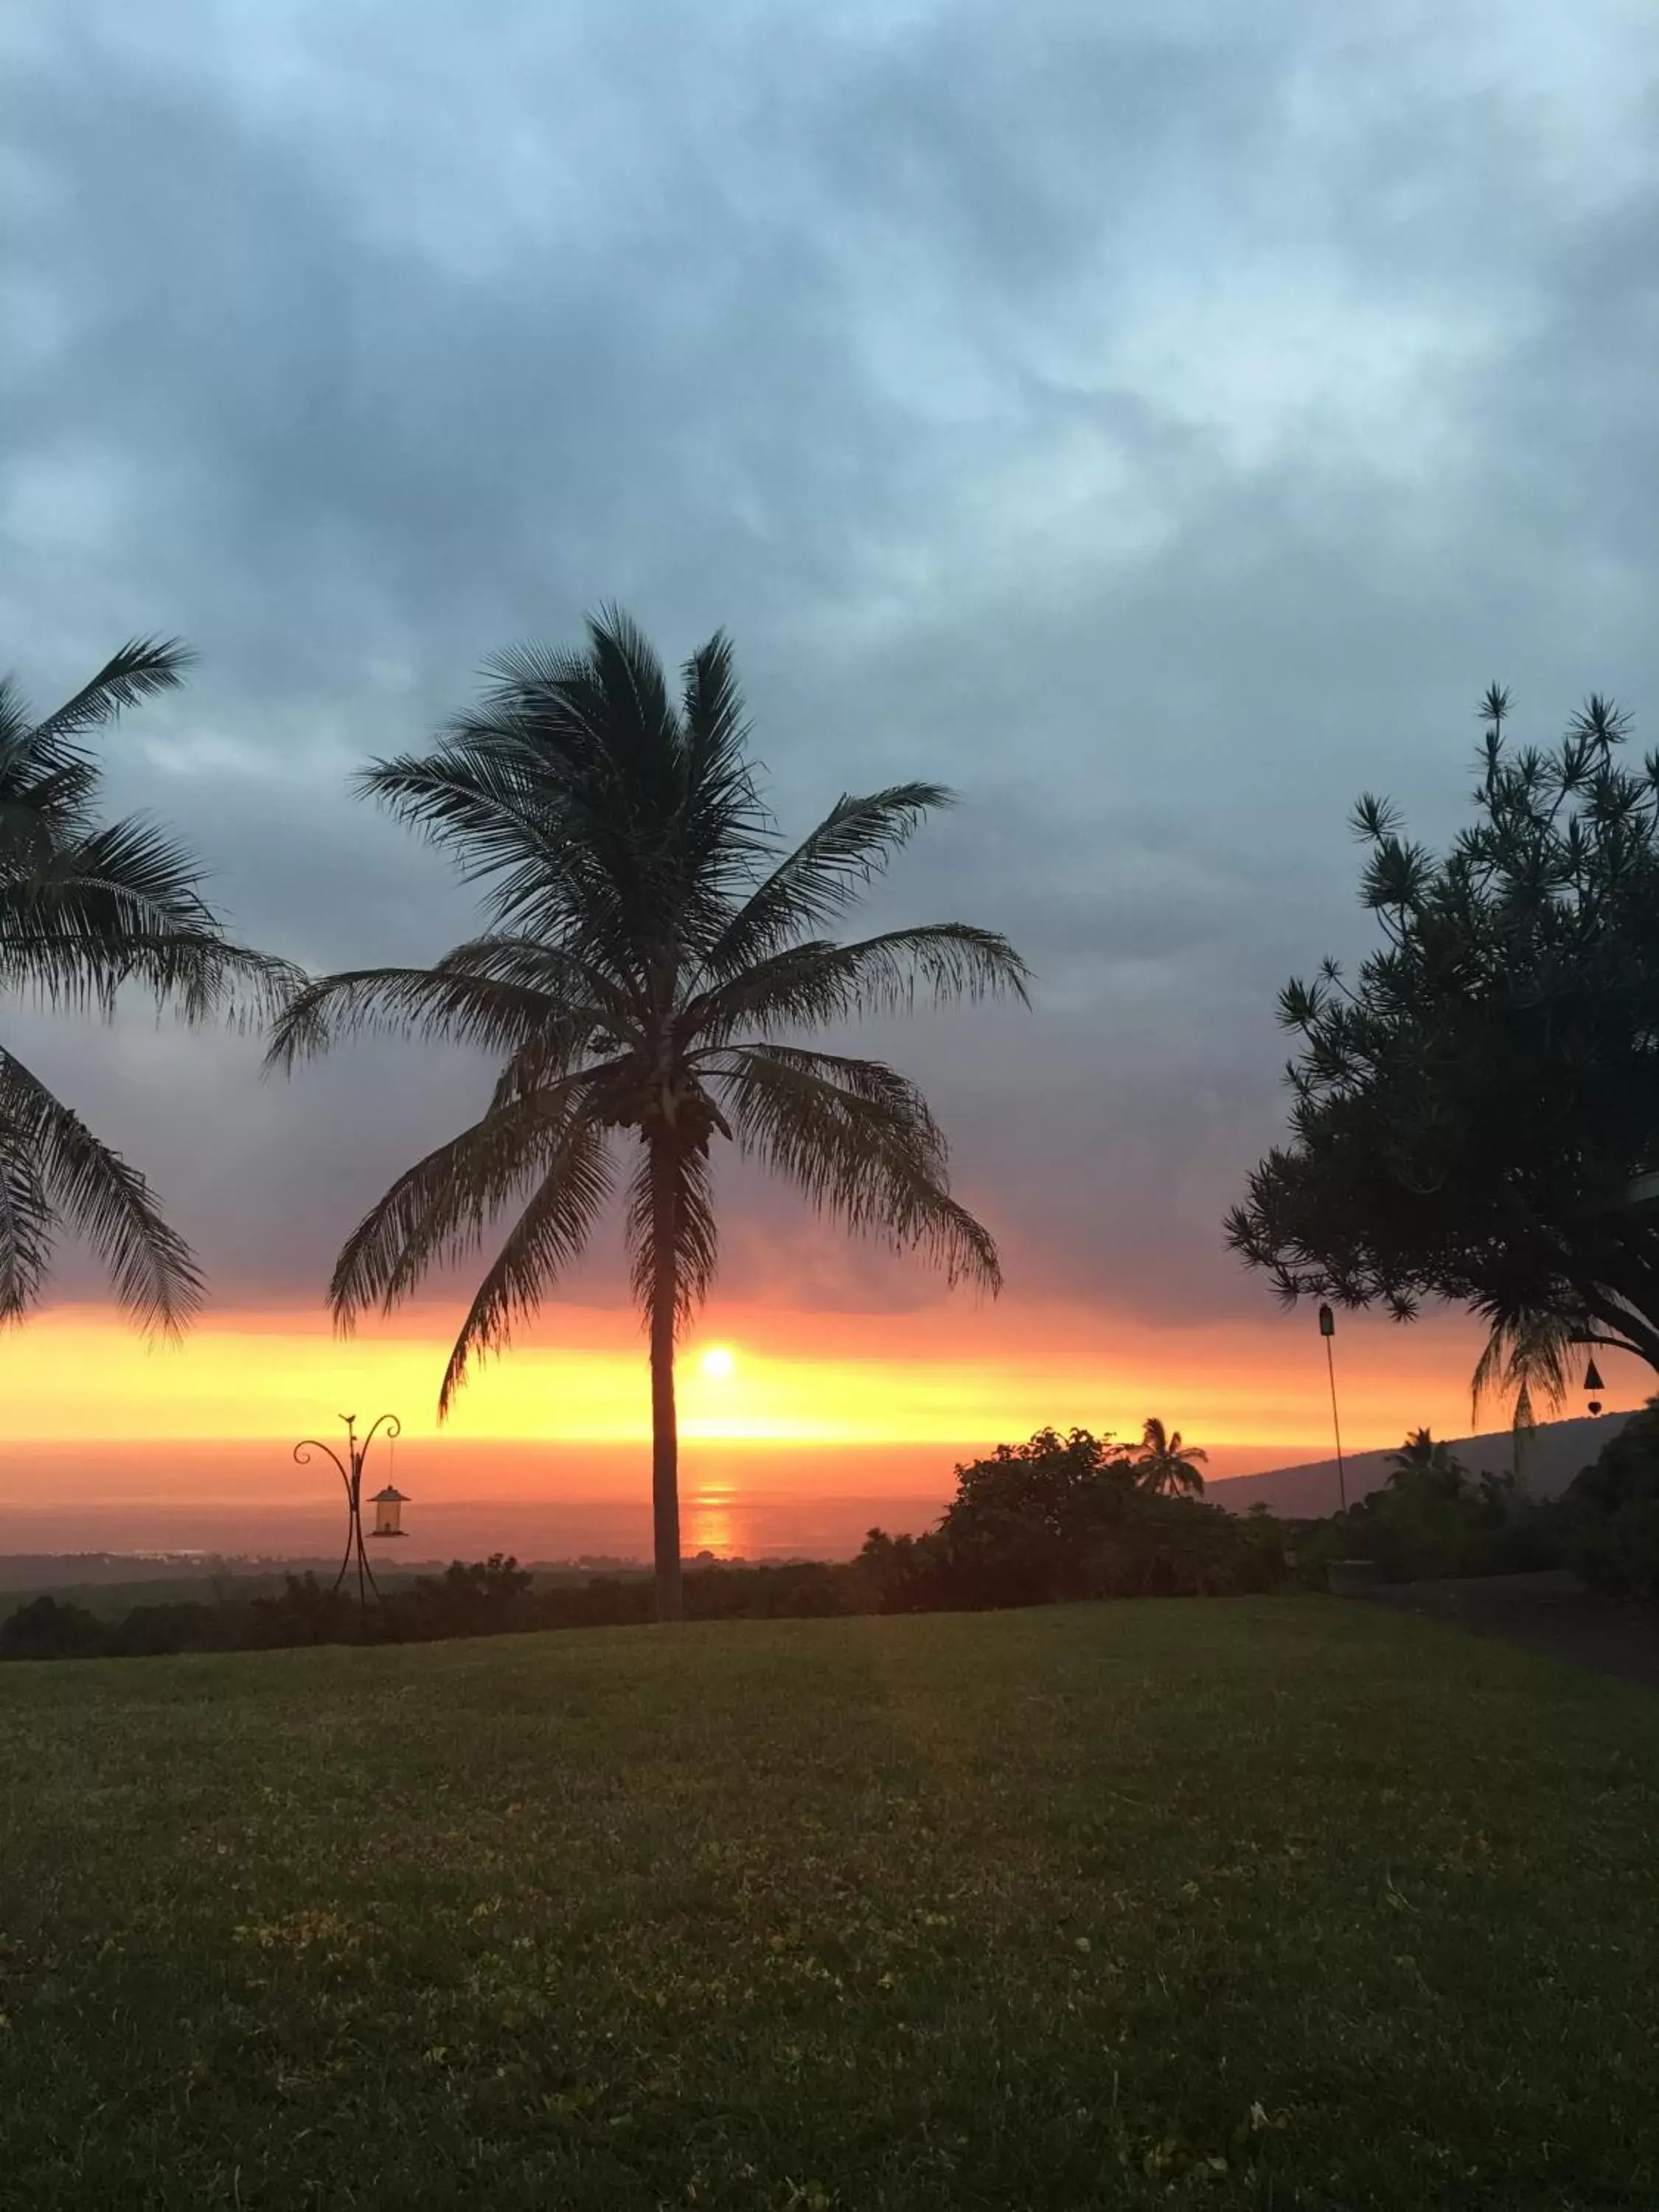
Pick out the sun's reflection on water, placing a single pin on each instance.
(711, 1522)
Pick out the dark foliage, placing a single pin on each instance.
(46, 1629)
(149, 1630)
(1065, 1517)
(1433, 1518)
(1475, 1112)
(1611, 1513)
(89, 907)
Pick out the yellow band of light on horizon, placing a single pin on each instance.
(80, 1373)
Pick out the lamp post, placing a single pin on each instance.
(350, 1471)
(1327, 1330)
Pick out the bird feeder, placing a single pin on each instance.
(1327, 1322)
(388, 1505)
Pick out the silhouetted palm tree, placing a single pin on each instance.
(1531, 1351)
(649, 938)
(1427, 1463)
(85, 908)
(1166, 1466)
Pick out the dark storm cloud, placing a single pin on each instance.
(1158, 423)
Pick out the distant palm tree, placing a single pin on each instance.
(1165, 1465)
(1428, 1463)
(1530, 1352)
(650, 936)
(85, 908)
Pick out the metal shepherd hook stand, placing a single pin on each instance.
(356, 1453)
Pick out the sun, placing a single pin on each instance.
(719, 1363)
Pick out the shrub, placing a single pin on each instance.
(150, 1632)
(1611, 1511)
(1435, 1519)
(45, 1628)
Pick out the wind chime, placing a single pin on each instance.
(1593, 1382)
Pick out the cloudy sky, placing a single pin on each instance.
(1159, 421)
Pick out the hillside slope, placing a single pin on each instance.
(1557, 1451)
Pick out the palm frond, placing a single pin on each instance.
(441, 1002)
(473, 795)
(817, 983)
(716, 733)
(197, 978)
(439, 1211)
(40, 813)
(725, 831)
(663, 815)
(1529, 1349)
(857, 1150)
(120, 905)
(25, 1222)
(871, 1081)
(623, 690)
(825, 873)
(97, 1195)
(550, 1234)
(150, 879)
(562, 972)
(139, 669)
(525, 832)
(586, 805)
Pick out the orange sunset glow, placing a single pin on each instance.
(766, 1376)
(767, 1396)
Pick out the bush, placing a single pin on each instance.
(1065, 1517)
(1611, 1511)
(150, 1632)
(1434, 1519)
(46, 1629)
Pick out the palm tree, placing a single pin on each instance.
(1529, 1350)
(649, 938)
(1165, 1466)
(1427, 1463)
(85, 908)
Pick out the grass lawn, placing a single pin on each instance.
(1278, 1902)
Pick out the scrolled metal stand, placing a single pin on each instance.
(351, 1475)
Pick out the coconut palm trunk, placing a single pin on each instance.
(664, 1421)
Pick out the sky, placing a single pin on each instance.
(1158, 421)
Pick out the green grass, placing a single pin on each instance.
(1272, 1903)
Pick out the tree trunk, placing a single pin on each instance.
(665, 1429)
